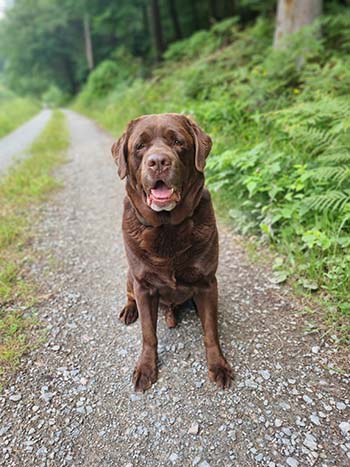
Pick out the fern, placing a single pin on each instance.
(331, 201)
(341, 157)
(337, 175)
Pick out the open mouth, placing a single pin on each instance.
(161, 197)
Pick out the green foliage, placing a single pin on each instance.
(124, 68)
(281, 129)
(44, 42)
(41, 45)
(15, 110)
(54, 97)
(189, 48)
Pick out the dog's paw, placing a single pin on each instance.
(221, 373)
(129, 314)
(144, 376)
(170, 317)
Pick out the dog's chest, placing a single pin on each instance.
(172, 254)
(168, 242)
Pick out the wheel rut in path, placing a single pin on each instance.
(14, 146)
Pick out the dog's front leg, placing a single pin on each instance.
(206, 301)
(145, 373)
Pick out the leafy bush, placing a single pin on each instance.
(111, 73)
(14, 110)
(54, 97)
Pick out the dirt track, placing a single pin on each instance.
(73, 403)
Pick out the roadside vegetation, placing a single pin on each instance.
(280, 123)
(27, 184)
(15, 110)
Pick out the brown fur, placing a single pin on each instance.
(172, 255)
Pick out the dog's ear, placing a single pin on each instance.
(120, 155)
(120, 148)
(202, 142)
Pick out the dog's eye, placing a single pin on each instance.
(140, 146)
(178, 142)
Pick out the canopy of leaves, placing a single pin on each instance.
(42, 42)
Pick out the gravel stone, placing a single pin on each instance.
(344, 428)
(15, 397)
(194, 429)
(340, 406)
(310, 442)
(265, 374)
(307, 399)
(173, 457)
(315, 420)
(292, 462)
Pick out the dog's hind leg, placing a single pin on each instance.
(129, 313)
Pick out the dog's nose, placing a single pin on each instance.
(158, 162)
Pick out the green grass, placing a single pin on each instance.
(14, 111)
(27, 184)
(280, 161)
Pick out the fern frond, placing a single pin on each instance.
(330, 201)
(342, 157)
(316, 140)
(330, 173)
(314, 113)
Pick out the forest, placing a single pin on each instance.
(274, 98)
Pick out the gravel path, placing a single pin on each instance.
(14, 145)
(72, 403)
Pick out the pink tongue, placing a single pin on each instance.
(162, 192)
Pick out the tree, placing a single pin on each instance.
(88, 42)
(41, 46)
(175, 19)
(157, 29)
(292, 15)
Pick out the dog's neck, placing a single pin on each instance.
(184, 210)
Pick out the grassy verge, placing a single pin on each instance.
(14, 111)
(27, 184)
(281, 131)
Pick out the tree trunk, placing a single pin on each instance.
(69, 71)
(213, 11)
(145, 20)
(175, 19)
(230, 7)
(195, 19)
(157, 29)
(88, 42)
(293, 15)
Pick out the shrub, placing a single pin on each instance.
(123, 68)
(54, 97)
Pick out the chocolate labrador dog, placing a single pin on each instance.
(170, 235)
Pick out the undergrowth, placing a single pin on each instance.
(14, 111)
(28, 183)
(281, 128)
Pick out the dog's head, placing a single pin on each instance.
(163, 157)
